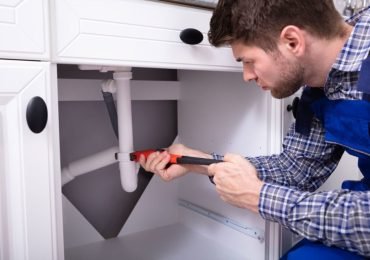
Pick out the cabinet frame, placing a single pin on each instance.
(30, 173)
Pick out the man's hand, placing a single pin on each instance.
(157, 162)
(237, 182)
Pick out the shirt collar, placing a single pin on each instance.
(357, 47)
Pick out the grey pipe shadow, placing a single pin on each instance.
(85, 129)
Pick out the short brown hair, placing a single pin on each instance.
(259, 22)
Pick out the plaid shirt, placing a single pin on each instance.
(338, 217)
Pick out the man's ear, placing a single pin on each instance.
(293, 39)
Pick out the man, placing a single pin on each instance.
(284, 45)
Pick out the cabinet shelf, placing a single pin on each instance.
(175, 242)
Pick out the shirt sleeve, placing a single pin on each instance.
(305, 162)
(339, 217)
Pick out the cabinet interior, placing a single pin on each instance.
(101, 220)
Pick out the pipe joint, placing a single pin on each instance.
(109, 86)
(123, 157)
(122, 75)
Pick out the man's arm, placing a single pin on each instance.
(340, 217)
(305, 163)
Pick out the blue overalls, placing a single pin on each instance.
(346, 123)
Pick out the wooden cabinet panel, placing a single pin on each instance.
(24, 29)
(135, 33)
(28, 172)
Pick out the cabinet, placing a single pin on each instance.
(28, 164)
(24, 26)
(129, 33)
(37, 221)
(135, 33)
(160, 222)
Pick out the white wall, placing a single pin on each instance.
(2, 193)
(220, 113)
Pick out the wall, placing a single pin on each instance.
(2, 193)
(219, 112)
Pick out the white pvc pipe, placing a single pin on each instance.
(128, 169)
(88, 164)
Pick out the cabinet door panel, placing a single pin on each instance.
(135, 33)
(28, 172)
(24, 26)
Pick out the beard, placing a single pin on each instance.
(291, 79)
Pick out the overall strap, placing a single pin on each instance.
(304, 113)
(364, 79)
(347, 123)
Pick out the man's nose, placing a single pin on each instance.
(249, 75)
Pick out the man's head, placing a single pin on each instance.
(257, 30)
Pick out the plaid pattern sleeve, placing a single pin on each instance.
(340, 217)
(305, 163)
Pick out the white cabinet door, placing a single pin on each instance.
(24, 29)
(135, 33)
(29, 164)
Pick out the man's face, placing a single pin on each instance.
(282, 75)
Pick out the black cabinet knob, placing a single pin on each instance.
(37, 114)
(191, 36)
(293, 107)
